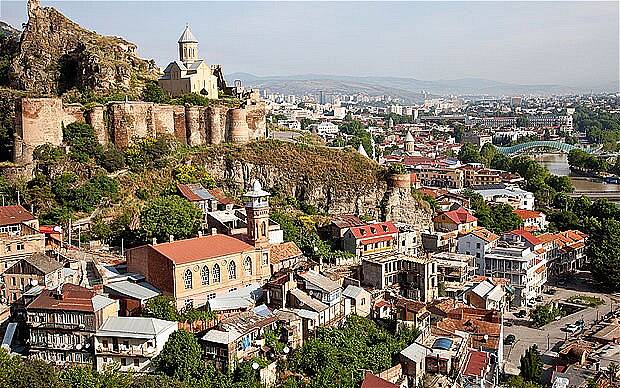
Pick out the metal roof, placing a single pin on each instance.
(142, 291)
(134, 327)
(352, 291)
(187, 36)
(319, 280)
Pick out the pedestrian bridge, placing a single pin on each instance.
(541, 144)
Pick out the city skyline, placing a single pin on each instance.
(567, 43)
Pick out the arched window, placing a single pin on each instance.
(263, 229)
(204, 275)
(187, 279)
(247, 265)
(216, 273)
(232, 270)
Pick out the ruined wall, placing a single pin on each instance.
(40, 120)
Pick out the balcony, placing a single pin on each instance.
(59, 326)
(122, 350)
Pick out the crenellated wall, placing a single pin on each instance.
(40, 120)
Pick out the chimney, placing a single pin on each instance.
(170, 238)
(154, 241)
(213, 231)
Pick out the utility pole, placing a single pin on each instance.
(548, 342)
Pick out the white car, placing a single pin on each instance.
(572, 328)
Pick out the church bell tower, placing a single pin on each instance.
(257, 212)
(188, 46)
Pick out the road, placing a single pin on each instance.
(552, 335)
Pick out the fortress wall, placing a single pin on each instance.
(163, 119)
(95, 116)
(40, 120)
(192, 122)
(180, 129)
(238, 126)
(215, 129)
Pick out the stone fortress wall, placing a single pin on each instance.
(40, 120)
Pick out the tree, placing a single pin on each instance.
(531, 364)
(487, 153)
(82, 141)
(161, 307)
(153, 93)
(469, 154)
(604, 253)
(188, 173)
(503, 218)
(172, 215)
(181, 356)
(544, 314)
(112, 159)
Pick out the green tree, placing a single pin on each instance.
(488, 152)
(544, 314)
(531, 364)
(82, 141)
(112, 159)
(469, 153)
(172, 215)
(188, 173)
(153, 93)
(181, 356)
(503, 218)
(603, 250)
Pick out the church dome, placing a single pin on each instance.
(187, 36)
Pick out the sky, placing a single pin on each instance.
(568, 43)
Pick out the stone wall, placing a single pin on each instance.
(40, 120)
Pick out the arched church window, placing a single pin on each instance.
(187, 279)
(232, 270)
(204, 275)
(216, 273)
(247, 265)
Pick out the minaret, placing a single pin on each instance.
(257, 212)
(188, 46)
(409, 143)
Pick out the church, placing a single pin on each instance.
(189, 74)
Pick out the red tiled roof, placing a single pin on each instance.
(527, 214)
(541, 269)
(74, 298)
(201, 248)
(346, 221)
(14, 214)
(372, 381)
(476, 363)
(484, 234)
(459, 216)
(529, 237)
(374, 230)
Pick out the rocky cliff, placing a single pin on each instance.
(57, 55)
(334, 181)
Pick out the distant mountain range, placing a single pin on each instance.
(410, 89)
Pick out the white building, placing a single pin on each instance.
(131, 342)
(477, 243)
(290, 124)
(327, 128)
(512, 195)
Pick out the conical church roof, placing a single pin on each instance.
(409, 137)
(362, 150)
(187, 36)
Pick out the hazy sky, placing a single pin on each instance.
(569, 43)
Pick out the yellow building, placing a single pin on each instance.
(196, 270)
(189, 74)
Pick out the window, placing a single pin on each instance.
(232, 270)
(247, 265)
(189, 304)
(204, 276)
(211, 296)
(363, 302)
(216, 273)
(104, 343)
(123, 361)
(265, 258)
(136, 362)
(20, 246)
(478, 245)
(187, 279)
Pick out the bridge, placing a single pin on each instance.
(541, 144)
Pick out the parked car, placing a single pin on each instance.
(510, 339)
(521, 314)
(539, 298)
(579, 323)
(550, 291)
(531, 303)
(572, 328)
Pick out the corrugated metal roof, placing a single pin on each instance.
(134, 327)
(142, 291)
(319, 280)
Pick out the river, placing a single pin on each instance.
(558, 164)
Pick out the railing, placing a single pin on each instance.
(127, 351)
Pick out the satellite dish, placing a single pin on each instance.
(486, 337)
(78, 347)
(34, 282)
(57, 229)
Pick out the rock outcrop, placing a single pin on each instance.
(333, 181)
(57, 55)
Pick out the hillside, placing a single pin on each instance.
(56, 55)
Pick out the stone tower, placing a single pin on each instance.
(188, 46)
(257, 211)
(409, 143)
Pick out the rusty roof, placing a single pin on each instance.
(201, 248)
(70, 298)
(14, 214)
(286, 250)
